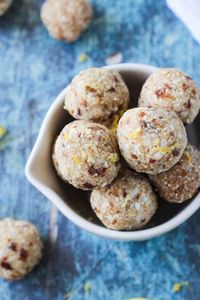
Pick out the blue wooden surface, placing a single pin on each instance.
(33, 70)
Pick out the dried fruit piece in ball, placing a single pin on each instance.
(181, 182)
(127, 203)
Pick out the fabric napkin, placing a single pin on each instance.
(189, 12)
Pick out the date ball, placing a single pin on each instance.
(4, 5)
(172, 89)
(66, 19)
(151, 140)
(96, 94)
(181, 182)
(20, 248)
(86, 155)
(127, 203)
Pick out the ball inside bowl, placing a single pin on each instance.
(73, 203)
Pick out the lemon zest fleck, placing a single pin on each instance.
(135, 134)
(76, 159)
(163, 149)
(177, 287)
(87, 287)
(83, 57)
(3, 131)
(113, 157)
(66, 136)
(166, 149)
(121, 112)
(112, 124)
(189, 158)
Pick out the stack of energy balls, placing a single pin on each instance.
(150, 141)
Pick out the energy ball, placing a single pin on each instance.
(96, 94)
(4, 5)
(20, 248)
(172, 89)
(66, 19)
(127, 203)
(86, 155)
(182, 181)
(151, 140)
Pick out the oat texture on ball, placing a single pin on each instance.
(128, 203)
(20, 248)
(151, 140)
(66, 19)
(96, 94)
(86, 155)
(172, 89)
(181, 182)
(4, 5)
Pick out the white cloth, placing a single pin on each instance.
(189, 12)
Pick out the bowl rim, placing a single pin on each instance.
(81, 222)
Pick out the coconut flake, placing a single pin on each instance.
(114, 59)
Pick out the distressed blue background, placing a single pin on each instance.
(33, 70)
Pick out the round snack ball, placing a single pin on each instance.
(181, 182)
(20, 248)
(4, 5)
(127, 203)
(172, 89)
(151, 140)
(66, 19)
(86, 155)
(96, 94)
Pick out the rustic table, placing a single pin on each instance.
(33, 70)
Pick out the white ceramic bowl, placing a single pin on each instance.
(74, 204)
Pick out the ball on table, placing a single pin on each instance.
(20, 248)
(66, 19)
